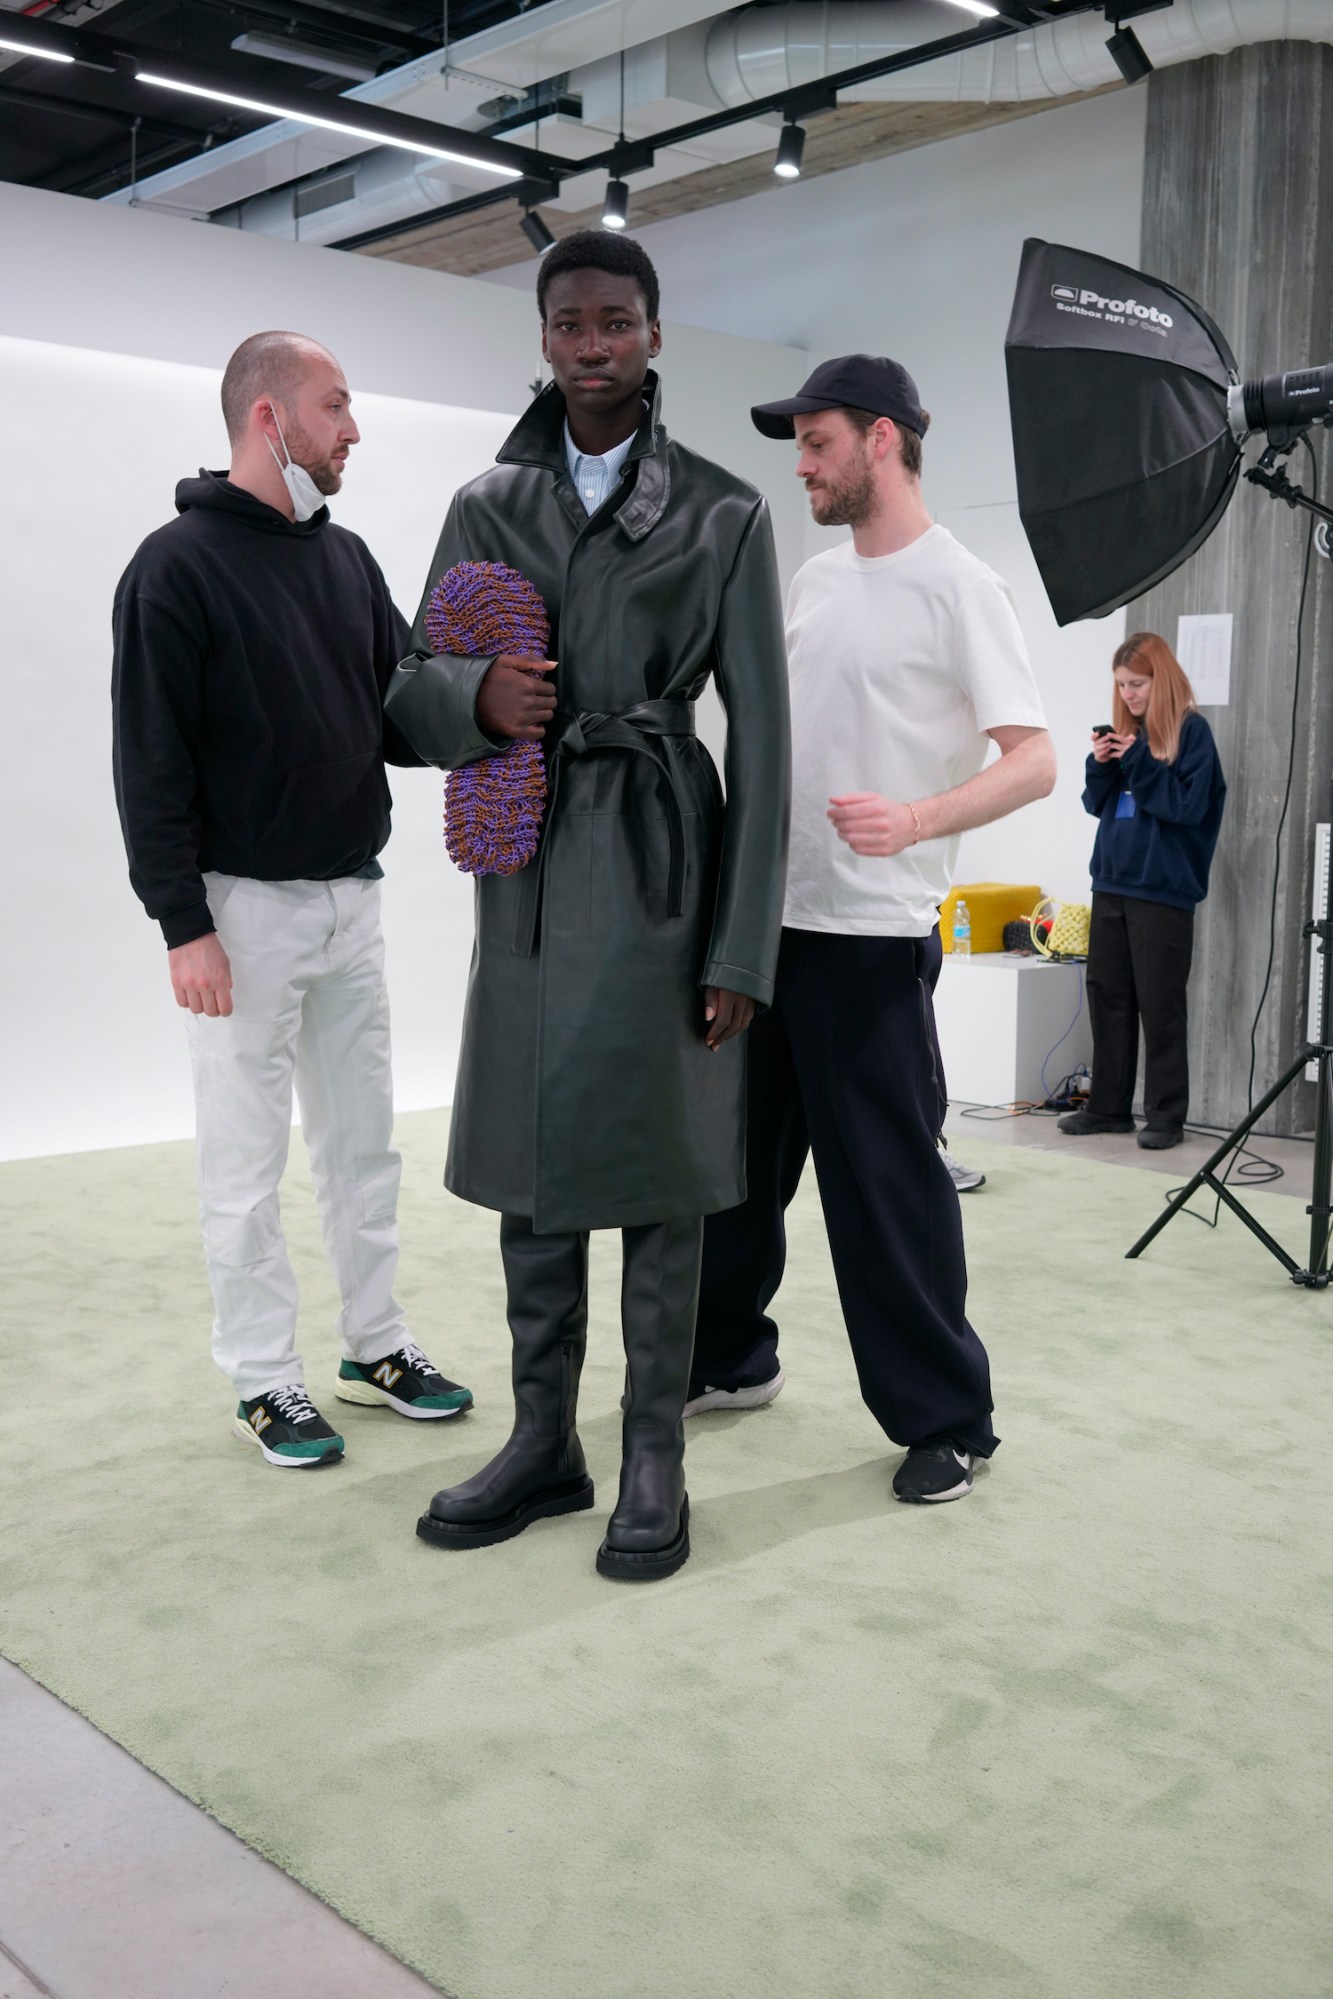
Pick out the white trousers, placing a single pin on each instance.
(309, 1007)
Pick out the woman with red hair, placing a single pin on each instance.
(1155, 785)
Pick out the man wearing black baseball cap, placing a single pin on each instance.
(852, 382)
(906, 661)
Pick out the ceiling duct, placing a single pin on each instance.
(378, 183)
(761, 50)
(314, 198)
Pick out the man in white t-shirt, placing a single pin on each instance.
(906, 662)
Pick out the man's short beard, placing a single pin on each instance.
(327, 476)
(848, 502)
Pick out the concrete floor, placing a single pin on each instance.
(112, 1886)
(1295, 1156)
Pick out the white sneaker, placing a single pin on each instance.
(735, 1398)
(963, 1177)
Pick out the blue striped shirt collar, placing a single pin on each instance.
(595, 477)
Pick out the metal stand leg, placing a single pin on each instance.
(1206, 1175)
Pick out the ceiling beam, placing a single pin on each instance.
(855, 134)
(378, 123)
(107, 114)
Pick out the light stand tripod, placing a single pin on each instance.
(1271, 475)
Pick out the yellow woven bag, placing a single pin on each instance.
(1069, 926)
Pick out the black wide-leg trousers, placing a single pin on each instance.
(846, 1065)
(1139, 956)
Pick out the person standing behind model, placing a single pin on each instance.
(1155, 785)
(253, 642)
(905, 655)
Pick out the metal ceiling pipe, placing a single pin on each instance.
(764, 49)
(379, 186)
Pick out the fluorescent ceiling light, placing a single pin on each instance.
(26, 49)
(303, 55)
(977, 7)
(267, 110)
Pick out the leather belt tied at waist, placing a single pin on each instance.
(637, 730)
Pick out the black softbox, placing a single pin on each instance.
(1118, 401)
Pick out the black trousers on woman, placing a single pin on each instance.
(1139, 957)
(846, 1065)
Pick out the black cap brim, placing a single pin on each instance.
(777, 419)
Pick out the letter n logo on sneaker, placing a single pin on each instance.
(260, 1420)
(387, 1373)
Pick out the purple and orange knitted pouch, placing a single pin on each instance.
(492, 809)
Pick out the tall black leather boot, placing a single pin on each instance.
(541, 1470)
(649, 1533)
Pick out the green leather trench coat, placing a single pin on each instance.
(586, 1097)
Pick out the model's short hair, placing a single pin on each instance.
(909, 443)
(600, 250)
(267, 364)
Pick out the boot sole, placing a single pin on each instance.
(625, 1566)
(575, 1497)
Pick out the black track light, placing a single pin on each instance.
(791, 149)
(615, 209)
(536, 231)
(1129, 56)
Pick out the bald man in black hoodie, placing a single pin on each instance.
(253, 641)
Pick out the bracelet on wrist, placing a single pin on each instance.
(917, 823)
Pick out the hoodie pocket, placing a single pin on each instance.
(327, 815)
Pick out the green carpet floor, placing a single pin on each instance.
(1067, 1740)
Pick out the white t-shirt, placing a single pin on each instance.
(899, 664)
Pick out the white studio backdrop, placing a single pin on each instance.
(94, 1049)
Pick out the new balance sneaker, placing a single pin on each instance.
(964, 1178)
(405, 1381)
(753, 1396)
(288, 1428)
(931, 1472)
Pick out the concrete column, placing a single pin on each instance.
(1238, 212)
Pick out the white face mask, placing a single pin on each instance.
(306, 496)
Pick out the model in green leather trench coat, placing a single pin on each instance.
(586, 1096)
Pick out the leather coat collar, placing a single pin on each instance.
(538, 439)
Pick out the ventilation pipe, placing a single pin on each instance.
(765, 49)
(379, 186)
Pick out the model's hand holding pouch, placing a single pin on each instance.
(493, 809)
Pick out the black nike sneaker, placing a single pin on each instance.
(288, 1428)
(932, 1472)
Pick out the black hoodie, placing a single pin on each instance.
(251, 655)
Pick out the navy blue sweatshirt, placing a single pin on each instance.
(1159, 821)
(251, 655)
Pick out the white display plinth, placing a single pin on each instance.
(999, 1019)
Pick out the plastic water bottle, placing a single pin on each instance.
(962, 931)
